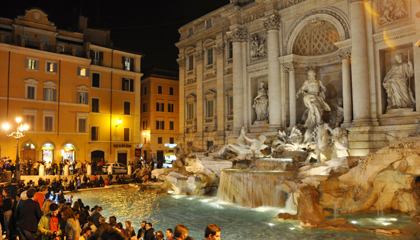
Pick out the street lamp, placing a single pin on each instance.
(20, 132)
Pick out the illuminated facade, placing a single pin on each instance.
(227, 54)
(81, 100)
(160, 112)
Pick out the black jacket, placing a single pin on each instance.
(148, 234)
(27, 215)
(139, 233)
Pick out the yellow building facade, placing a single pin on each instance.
(81, 101)
(160, 114)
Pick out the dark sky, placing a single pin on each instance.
(149, 27)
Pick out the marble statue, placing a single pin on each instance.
(314, 99)
(261, 103)
(396, 84)
(337, 112)
(258, 47)
(243, 149)
(341, 143)
(393, 10)
(322, 148)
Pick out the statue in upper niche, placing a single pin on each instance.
(396, 84)
(261, 103)
(393, 10)
(314, 99)
(257, 47)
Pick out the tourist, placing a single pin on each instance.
(140, 233)
(113, 221)
(72, 229)
(159, 235)
(13, 187)
(149, 233)
(169, 234)
(27, 215)
(212, 232)
(96, 215)
(85, 234)
(90, 224)
(120, 228)
(180, 232)
(49, 225)
(129, 229)
(46, 206)
(6, 207)
(112, 234)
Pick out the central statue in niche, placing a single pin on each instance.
(261, 103)
(314, 99)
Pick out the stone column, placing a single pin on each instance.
(345, 64)
(181, 63)
(292, 94)
(360, 65)
(199, 56)
(220, 49)
(274, 98)
(237, 37)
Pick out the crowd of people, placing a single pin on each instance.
(39, 212)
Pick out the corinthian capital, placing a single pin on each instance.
(220, 48)
(272, 22)
(238, 35)
(181, 62)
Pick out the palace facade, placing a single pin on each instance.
(231, 55)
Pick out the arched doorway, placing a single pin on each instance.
(68, 152)
(28, 152)
(97, 156)
(48, 152)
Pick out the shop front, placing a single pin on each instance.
(48, 153)
(28, 152)
(68, 153)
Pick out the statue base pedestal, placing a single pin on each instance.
(399, 111)
(260, 123)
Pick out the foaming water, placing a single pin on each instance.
(236, 222)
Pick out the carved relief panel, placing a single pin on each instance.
(391, 11)
(258, 46)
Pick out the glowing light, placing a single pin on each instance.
(393, 219)
(170, 192)
(190, 198)
(25, 127)
(386, 39)
(6, 126)
(386, 223)
(120, 121)
(354, 222)
(292, 228)
(18, 119)
(369, 9)
(270, 224)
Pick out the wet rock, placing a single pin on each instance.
(388, 232)
(286, 216)
(306, 199)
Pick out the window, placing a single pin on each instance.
(83, 72)
(30, 92)
(160, 125)
(82, 125)
(127, 84)
(48, 124)
(127, 108)
(30, 121)
(144, 125)
(95, 105)
(230, 106)
(208, 23)
(94, 131)
(190, 32)
(210, 108)
(144, 107)
(159, 89)
(49, 94)
(230, 50)
(171, 91)
(190, 63)
(190, 111)
(170, 107)
(145, 90)
(128, 63)
(171, 140)
(160, 140)
(96, 80)
(160, 107)
(32, 64)
(126, 134)
(83, 97)
(97, 57)
(171, 125)
(51, 67)
(209, 145)
(210, 56)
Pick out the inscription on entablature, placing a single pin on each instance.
(288, 3)
(253, 16)
(258, 70)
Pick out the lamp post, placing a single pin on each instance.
(20, 132)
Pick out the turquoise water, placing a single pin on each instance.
(236, 223)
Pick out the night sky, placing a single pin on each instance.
(148, 27)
